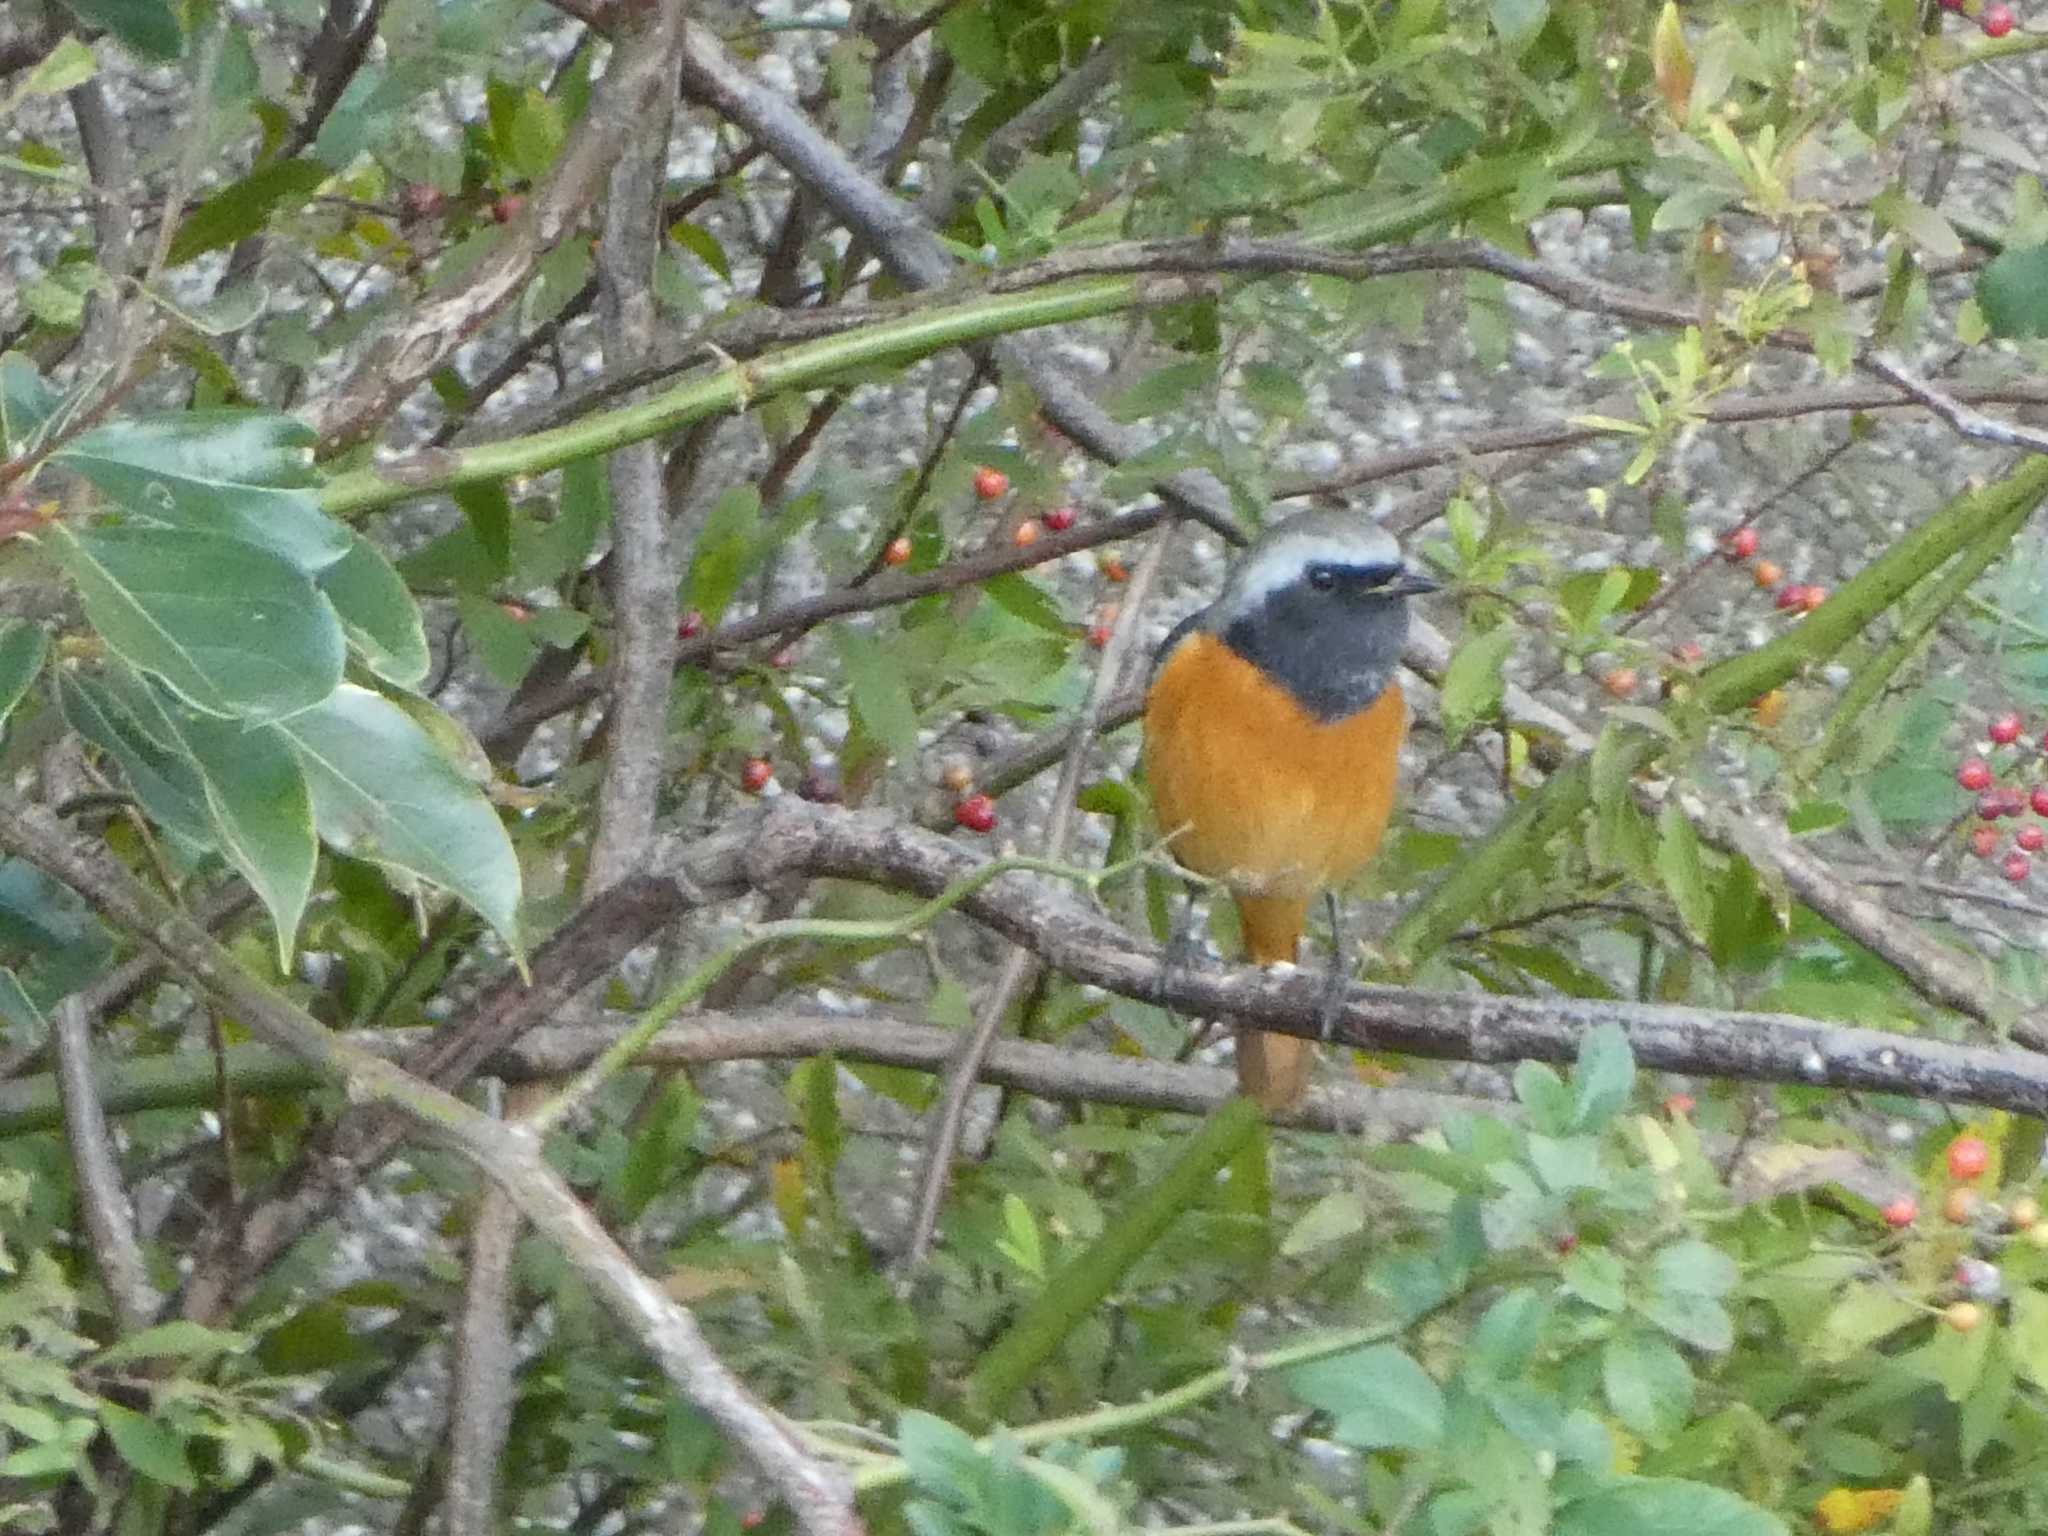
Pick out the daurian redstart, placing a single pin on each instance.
(1273, 731)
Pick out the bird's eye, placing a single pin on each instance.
(1322, 577)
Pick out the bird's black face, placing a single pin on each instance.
(1332, 636)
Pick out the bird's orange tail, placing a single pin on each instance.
(1273, 1069)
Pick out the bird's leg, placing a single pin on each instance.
(1182, 947)
(1338, 980)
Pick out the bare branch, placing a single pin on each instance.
(103, 1199)
(1972, 424)
(481, 1371)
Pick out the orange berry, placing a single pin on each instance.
(897, 552)
(756, 773)
(989, 482)
(2024, 1212)
(1769, 709)
(1964, 1316)
(1902, 1212)
(1767, 573)
(957, 776)
(1968, 1157)
(1960, 1206)
(1113, 568)
(1025, 534)
(1621, 682)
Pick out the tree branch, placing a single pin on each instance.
(109, 1218)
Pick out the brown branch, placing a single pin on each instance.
(102, 1198)
(405, 351)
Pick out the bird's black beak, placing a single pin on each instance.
(1411, 584)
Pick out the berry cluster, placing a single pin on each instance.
(1996, 801)
(1793, 597)
(1996, 18)
(1976, 1282)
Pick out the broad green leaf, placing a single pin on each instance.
(943, 1459)
(70, 63)
(1474, 682)
(26, 1030)
(1665, 1506)
(724, 552)
(26, 402)
(1648, 1384)
(179, 1339)
(881, 696)
(1596, 1276)
(231, 628)
(1604, 1077)
(1025, 599)
(488, 511)
(1684, 876)
(377, 613)
(1518, 21)
(1694, 1266)
(152, 1448)
(147, 27)
(382, 791)
(1545, 1095)
(1923, 226)
(1380, 1398)
(2027, 1336)
(262, 814)
(2012, 293)
(124, 723)
(244, 474)
(1510, 1333)
(22, 649)
(242, 208)
(504, 642)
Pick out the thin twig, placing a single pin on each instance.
(109, 1218)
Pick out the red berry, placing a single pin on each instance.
(1984, 842)
(2032, 839)
(2011, 802)
(1812, 597)
(2017, 867)
(1098, 635)
(755, 775)
(897, 552)
(1678, 1104)
(1689, 653)
(1566, 1242)
(1792, 595)
(2039, 799)
(977, 813)
(1621, 682)
(1741, 543)
(1025, 534)
(691, 625)
(1997, 20)
(508, 208)
(989, 483)
(1991, 805)
(1968, 1157)
(1767, 573)
(1975, 775)
(1060, 519)
(1902, 1212)
(1951, 5)
(2005, 730)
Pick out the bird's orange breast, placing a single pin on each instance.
(1255, 791)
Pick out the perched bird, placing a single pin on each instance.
(1273, 730)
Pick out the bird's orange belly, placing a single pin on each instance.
(1253, 790)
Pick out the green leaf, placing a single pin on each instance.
(1545, 1095)
(1596, 1276)
(262, 814)
(1604, 1077)
(244, 474)
(724, 552)
(1695, 1267)
(1474, 682)
(22, 649)
(1508, 1336)
(943, 1459)
(880, 693)
(377, 613)
(179, 1339)
(26, 402)
(1028, 601)
(68, 64)
(2012, 292)
(151, 1448)
(242, 208)
(488, 511)
(1380, 1398)
(1665, 1506)
(383, 791)
(118, 715)
(231, 628)
(1684, 876)
(1518, 21)
(1648, 1384)
(147, 27)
